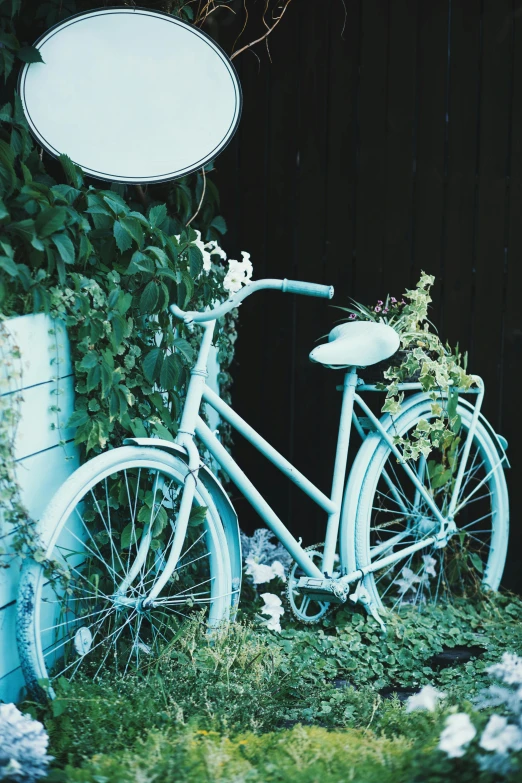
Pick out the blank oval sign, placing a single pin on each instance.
(131, 95)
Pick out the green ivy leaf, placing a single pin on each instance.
(185, 349)
(65, 193)
(106, 377)
(170, 372)
(89, 360)
(73, 173)
(149, 297)
(197, 515)
(93, 377)
(130, 535)
(78, 418)
(29, 54)
(122, 237)
(195, 257)
(160, 522)
(158, 253)
(157, 215)
(50, 220)
(118, 329)
(152, 364)
(65, 247)
(9, 266)
(132, 226)
(219, 224)
(3, 210)
(476, 562)
(24, 228)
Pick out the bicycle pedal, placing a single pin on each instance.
(331, 590)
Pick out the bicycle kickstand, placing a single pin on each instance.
(362, 596)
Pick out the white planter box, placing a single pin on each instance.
(42, 384)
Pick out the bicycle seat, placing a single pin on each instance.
(357, 344)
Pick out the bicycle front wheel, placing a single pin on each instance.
(106, 537)
(392, 515)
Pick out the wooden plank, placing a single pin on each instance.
(40, 426)
(495, 100)
(9, 660)
(373, 94)
(512, 333)
(340, 181)
(460, 217)
(12, 686)
(249, 218)
(400, 120)
(341, 165)
(312, 316)
(44, 348)
(282, 155)
(428, 205)
(39, 476)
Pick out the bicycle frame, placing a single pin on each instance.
(193, 425)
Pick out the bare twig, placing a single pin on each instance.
(244, 24)
(142, 196)
(263, 37)
(202, 196)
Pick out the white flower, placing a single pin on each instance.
(213, 248)
(23, 746)
(247, 265)
(260, 572)
(408, 581)
(278, 569)
(274, 609)
(238, 274)
(458, 733)
(426, 699)
(509, 670)
(500, 736)
(429, 565)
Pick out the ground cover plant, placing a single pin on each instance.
(299, 705)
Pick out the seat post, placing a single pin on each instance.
(340, 466)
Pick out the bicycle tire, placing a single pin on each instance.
(95, 566)
(474, 557)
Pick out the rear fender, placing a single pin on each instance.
(220, 498)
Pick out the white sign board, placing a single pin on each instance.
(131, 95)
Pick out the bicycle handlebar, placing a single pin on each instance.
(286, 286)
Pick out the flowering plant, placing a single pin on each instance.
(501, 738)
(265, 561)
(23, 746)
(423, 357)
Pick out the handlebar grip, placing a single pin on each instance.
(308, 289)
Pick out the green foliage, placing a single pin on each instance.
(423, 358)
(222, 708)
(107, 261)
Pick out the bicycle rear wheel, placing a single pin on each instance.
(392, 515)
(106, 537)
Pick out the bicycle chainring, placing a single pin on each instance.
(309, 612)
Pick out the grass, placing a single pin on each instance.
(303, 705)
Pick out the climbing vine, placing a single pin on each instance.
(107, 261)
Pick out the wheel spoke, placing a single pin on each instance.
(396, 515)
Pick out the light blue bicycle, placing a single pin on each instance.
(142, 537)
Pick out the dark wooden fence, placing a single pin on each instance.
(377, 143)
